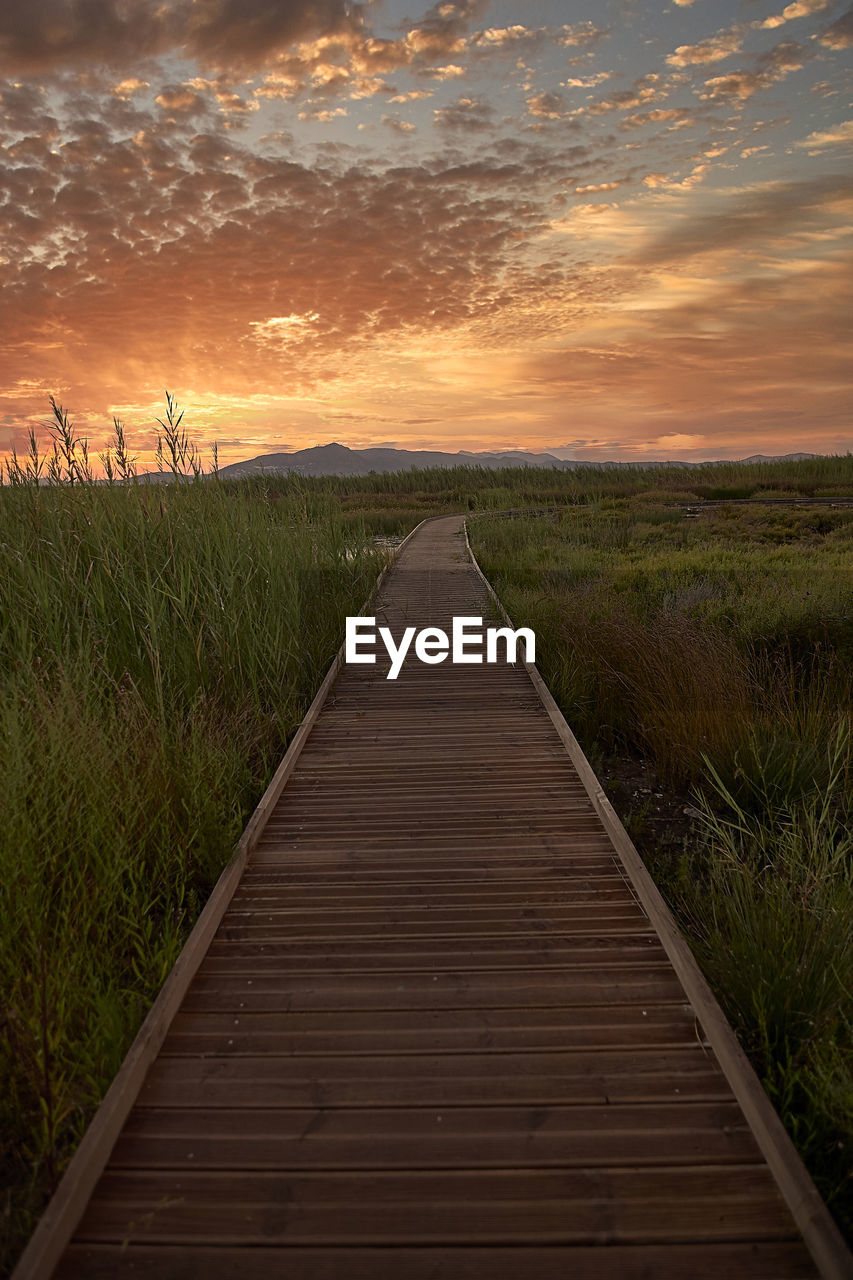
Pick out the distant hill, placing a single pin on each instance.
(339, 460)
(785, 457)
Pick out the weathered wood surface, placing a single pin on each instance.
(435, 1034)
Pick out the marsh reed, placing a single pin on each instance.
(159, 643)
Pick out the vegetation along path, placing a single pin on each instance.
(436, 1021)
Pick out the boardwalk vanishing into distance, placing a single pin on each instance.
(435, 1022)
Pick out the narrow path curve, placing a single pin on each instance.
(435, 1034)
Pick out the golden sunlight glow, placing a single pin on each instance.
(446, 229)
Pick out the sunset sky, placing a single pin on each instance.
(616, 230)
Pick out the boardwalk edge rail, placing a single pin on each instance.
(59, 1221)
(819, 1231)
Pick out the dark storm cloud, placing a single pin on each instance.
(44, 34)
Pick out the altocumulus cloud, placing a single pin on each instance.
(56, 33)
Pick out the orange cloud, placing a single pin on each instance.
(439, 231)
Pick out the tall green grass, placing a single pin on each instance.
(770, 906)
(478, 488)
(158, 645)
(720, 650)
(680, 637)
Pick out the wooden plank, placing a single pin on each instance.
(446, 1030)
(450, 881)
(331, 896)
(705, 1261)
(519, 988)
(414, 922)
(444, 872)
(425, 1138)
(256, 1037)
(266, 954)
(614, 943)
(724, 1202)
(525, 845)
(530, 1078)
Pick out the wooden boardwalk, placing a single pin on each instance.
(436, 1033)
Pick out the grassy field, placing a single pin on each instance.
(159, 644)
(157, 648)
(714, 644)
(402, 495)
